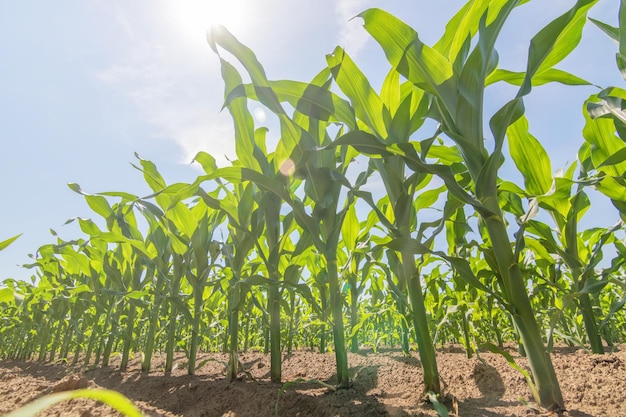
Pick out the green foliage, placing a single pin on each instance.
(287, 247)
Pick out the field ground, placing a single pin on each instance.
(384, 384)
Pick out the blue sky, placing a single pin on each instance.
(86, 83)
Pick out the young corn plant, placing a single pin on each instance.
(240, 208)
(355, 268)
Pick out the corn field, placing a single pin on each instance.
(382, 217)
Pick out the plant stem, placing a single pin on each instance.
(544, 376)
(341, 355)
(420, 323)
(275, 348)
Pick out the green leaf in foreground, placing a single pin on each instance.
(111, 398)
(7, 242)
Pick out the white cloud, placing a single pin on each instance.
(177, 107)
(211, 135)
(352, 35)
(177, 92)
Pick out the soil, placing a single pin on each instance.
(384, 384)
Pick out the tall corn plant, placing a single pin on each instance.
(260, 232)
(252, 154)
(323, 173)
(203, 255)
(237, 250)
(455, 76)
(392, 117)
(236, 203)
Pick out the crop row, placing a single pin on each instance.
(352, 229)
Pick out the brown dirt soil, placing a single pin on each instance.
(384, 384)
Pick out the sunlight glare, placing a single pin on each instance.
(194, 17)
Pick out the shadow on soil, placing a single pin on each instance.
(211, 395)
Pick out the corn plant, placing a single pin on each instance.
(454, 77)
(604, 150)
(323, 173)
(392, 117)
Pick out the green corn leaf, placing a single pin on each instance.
(615, 307)
(495, 349)
(181, 306)
(539, 250)
(242, 119)
(390, 91)
(350, 228)
(97, 203)
(621, 54)
(614, 189)
(569, 36)
(462, 26)
(359, 325)
(154, 180)
(207, 161)
(570, 229)
(294, 141)
(599, 133)
(318, 186)
(554, 42)
(428, 198)
(420, 64)
(410, 115)
(7, 296)
(368, 106)
(111, 398)
(593, 286)
(550, 75)
(8, 241)
(530, 158)
(89, 227)
(126, 197)
(257, 280)
(200, 241)
(609, 107)
(557, 200)
(468, 123)
(612, 31)
(486, 184)
(309, 99)
(151, 174)
(219, 35)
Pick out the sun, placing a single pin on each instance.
(194, 17)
